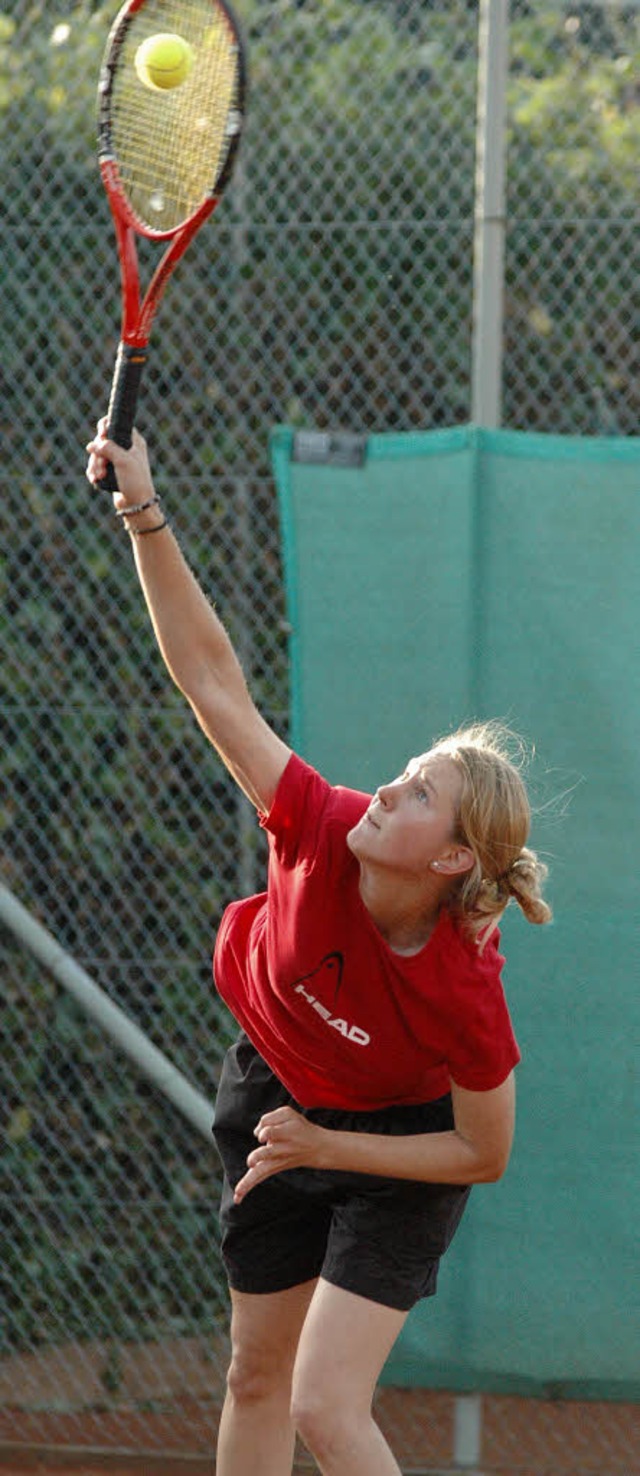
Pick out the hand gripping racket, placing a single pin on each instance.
(166, 154)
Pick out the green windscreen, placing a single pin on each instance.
(437, 577)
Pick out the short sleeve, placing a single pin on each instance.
(306, 809)
(295, 818)
(485, 1057)
(483, 1048)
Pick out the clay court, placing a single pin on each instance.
(154, 1429)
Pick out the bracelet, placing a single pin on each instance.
(136, 507)
(142, 532)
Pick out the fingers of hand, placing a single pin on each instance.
(286, 1140)
(243, 1187)
(256, 1174)
(100, 453)
(265, 1134)
(273, 1120)
(132, 465)
(96, 465)
(266, 1156)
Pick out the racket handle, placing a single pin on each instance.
(123, 401)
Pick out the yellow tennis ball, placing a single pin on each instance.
(164, 61)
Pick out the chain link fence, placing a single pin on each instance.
(334, 289)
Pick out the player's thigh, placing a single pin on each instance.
(265, 1332)
(343, 1346)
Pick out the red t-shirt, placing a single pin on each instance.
(341, 1019)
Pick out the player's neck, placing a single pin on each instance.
(405, 915)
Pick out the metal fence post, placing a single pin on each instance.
(128, 1036)
(486, 385)
(490, 215)
(467, 1431)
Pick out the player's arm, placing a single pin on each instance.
(475, 1151)
(192, 640)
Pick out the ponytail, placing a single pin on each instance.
(493, 821)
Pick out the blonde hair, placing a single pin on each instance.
(493, 820)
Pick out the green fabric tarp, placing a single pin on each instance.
(442, 576)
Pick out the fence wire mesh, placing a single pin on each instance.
(334, 289)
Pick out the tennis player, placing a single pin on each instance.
(373, 1081)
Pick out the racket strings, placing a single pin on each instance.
(171, 147)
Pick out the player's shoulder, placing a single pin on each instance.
(304, 795)
(471, 964)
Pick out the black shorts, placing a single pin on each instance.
(378, 1237)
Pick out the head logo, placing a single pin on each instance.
(325, 981)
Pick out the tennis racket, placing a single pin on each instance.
(166, 155)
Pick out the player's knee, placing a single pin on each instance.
(322, 1419)
(254, 1377)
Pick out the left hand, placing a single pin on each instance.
(287, 1140)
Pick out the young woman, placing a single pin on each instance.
(372, 1083)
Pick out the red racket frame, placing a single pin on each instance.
(137, 312)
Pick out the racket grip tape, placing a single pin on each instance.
(123, 402)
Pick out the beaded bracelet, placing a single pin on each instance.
(136, 507)
(142, 532)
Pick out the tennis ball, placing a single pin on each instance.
(164, 61)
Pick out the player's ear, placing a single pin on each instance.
(456, 860)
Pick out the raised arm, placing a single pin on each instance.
(192, 640)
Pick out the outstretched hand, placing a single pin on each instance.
(132, 467)
(287, 1140)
